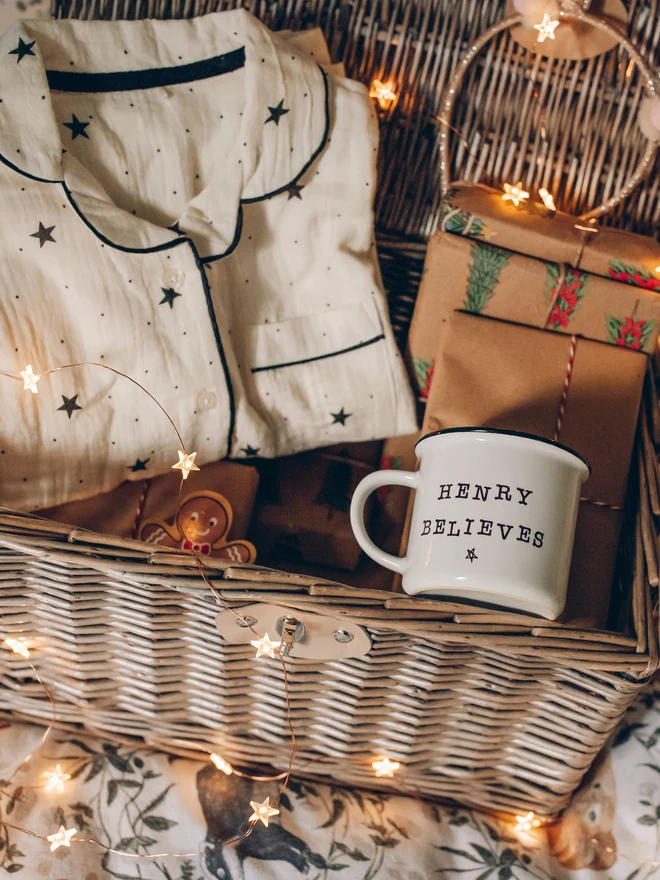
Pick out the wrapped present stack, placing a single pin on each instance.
(529, 319)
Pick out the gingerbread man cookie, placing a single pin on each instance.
(201, 525)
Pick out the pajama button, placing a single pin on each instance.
(174, 278)
(206, 400)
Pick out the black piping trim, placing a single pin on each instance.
(207, 293)
(317, 152)
(120, 247)
(232, 247)
(26, 173)
(239, 220)
(221, 350)
(324, 142)
(132, 80)
(320, 357)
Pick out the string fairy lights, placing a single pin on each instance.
(526, 823)
(265, 647)
(221, 764)
(18, 646)
(547, 199)
(514, 193)
(30, 379)
(56, 778)
(546, 28)
(384, 767)
(185, 464)
(61, 837)
(384, 94)
(263, 812)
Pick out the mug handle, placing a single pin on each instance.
(369, 484)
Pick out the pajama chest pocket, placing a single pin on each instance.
(324, 378)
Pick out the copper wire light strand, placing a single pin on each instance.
(47, 731)
(130, 379)
(281, 776)
(223, 604)
(117, 373)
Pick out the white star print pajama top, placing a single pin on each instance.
(189, 203)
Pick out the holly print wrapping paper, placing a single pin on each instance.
(479, 212)
(533, 327)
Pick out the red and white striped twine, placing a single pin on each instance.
(567, 385)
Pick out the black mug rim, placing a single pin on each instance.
(503, 431)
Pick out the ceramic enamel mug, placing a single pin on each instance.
(493, 518)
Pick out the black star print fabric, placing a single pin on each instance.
(69, 405)
(218, 254)
(43, 234)
(340, 417)
(295, 191)
(76, 127)
(169, 295)
(276, 113)
(22, 50)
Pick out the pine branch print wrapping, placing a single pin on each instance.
(461, 222)
(487, 265)
(424, 370)
(628, 274)
(627, 332)
(564, 291)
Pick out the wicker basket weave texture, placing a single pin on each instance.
(492, 709)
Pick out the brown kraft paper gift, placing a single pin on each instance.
(122, 511)
(303, 506)
(534, 345)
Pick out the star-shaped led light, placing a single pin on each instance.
(265, 647)
(546, 29)
(515, 194)
(185, 464)
(61, 838)
(385, 767)
(30, 379)
(547, 199)
(18, 646)
(56, 778)
(221, 764)
(526, 823)
(384, 93)
(262, 812)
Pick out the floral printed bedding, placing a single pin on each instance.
(142, 802)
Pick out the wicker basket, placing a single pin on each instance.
(492, 709)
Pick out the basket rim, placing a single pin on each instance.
(434, 621)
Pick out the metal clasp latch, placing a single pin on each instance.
(291, 631)
(305, 635)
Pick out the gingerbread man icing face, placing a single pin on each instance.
(202, 520)
(201, 526)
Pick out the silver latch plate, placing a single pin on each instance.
(320, 641)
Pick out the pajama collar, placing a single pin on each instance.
(283, 127)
